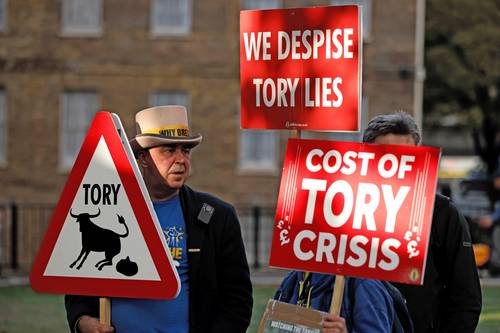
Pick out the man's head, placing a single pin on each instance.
(398, 128)
(163, 148)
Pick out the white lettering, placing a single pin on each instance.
(393, 262)
(309, 164)
(393, 204)
(313, 185)
(404, 167)
(359, 251)
(304, 256)
(326, 244)
(338, 187)
(393, 161)
(283, 51)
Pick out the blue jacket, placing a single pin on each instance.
(372, 312)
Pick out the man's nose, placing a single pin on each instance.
(179, 155)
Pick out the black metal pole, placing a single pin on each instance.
(256, 225)
(13, 243)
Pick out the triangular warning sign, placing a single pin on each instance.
(104, 238)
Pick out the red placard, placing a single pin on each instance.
(300, 68)
(102, 198)
(355, 209)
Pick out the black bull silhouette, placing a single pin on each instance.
(97, 239)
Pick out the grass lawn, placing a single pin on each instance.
(22, 310)
(490, 316)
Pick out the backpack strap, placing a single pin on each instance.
(402, 320)
(351, 295)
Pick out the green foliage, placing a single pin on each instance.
(462, 60)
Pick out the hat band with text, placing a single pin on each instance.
(175, 130)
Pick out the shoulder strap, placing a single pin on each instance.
(305, 288)
(402, 319)
(352, 299)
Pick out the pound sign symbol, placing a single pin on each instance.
(283, 238)
(411, 248)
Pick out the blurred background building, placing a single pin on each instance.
(61, 61)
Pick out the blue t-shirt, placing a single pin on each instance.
(160, 316)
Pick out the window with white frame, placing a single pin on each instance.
(366, 14)
(3, 15)
(262, 4)
(77, 111)
(171, 17)
(258, 150)
(82, 17)
(3, 128)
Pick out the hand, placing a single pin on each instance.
(88, 324)
(485, 222)
(334, 324)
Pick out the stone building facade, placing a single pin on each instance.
(126, 57)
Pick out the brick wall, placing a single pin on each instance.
(126, 64)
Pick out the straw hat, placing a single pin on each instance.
(161, 125)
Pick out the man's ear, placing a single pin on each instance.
(142, 158)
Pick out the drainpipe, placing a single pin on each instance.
(419, 77)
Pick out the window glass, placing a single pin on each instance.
(171, 17)
(258, 149)
(81, 17)
(77, 111)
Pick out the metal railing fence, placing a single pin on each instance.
(23, 225)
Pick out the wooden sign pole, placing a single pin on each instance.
(105, 310)
(338, 295)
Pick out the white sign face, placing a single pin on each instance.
(104, 238)
(102, 221)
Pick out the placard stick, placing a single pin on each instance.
(338, 294)
(295, 134)
(105, 310)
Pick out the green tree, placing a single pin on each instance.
(462, 59)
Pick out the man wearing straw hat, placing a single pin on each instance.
(203, 234)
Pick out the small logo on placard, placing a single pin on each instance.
(414, 274)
